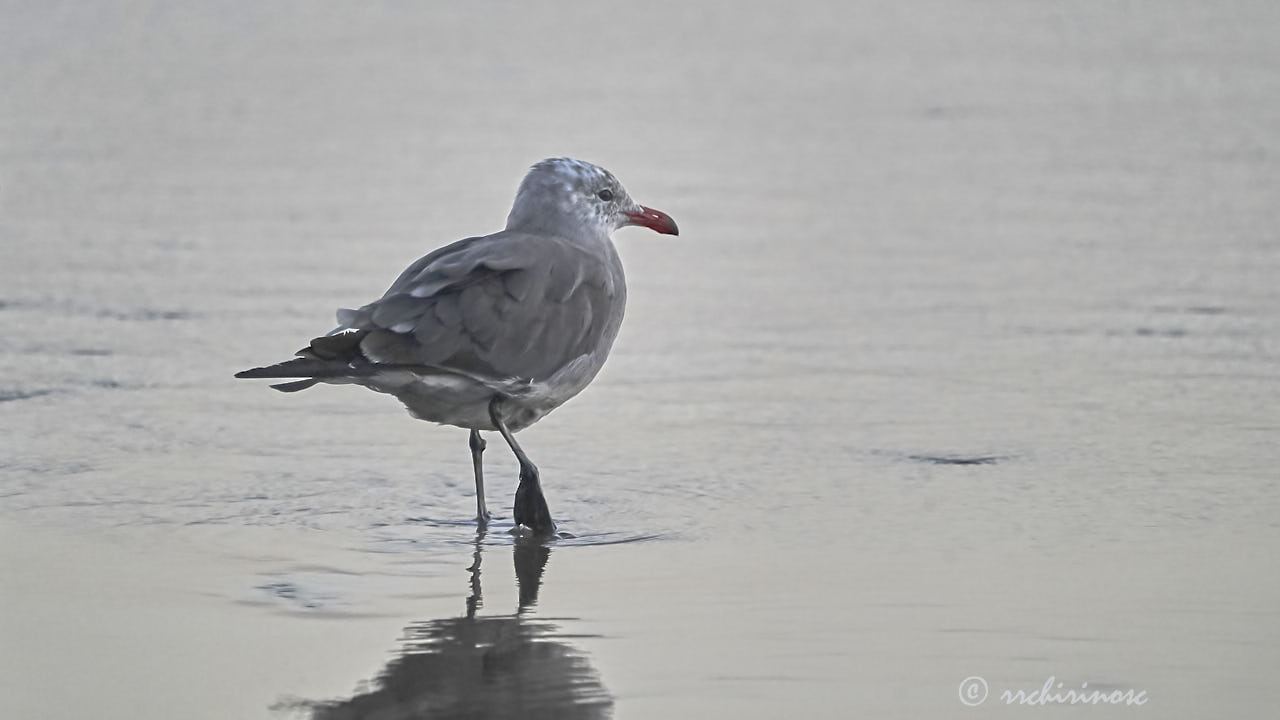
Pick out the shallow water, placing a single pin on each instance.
(965, 363)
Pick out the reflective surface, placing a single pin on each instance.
(965, 363)
(482, 666)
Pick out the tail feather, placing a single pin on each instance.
(313, 367)
(314, 370)
(294, 386)
(308, 368)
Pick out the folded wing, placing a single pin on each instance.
(507, 305)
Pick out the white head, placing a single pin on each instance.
(570, 197)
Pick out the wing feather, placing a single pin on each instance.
(504, 305)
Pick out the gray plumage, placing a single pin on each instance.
(514, 323)
(508, 305)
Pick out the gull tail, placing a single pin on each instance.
(331, 356)
(312, 369)
(305, 368)
(294, 386)
(340, 355)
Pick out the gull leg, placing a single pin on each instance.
(531, 507)
(478, 444)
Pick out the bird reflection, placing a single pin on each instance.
(483, 666)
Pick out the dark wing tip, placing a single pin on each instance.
(294, 386)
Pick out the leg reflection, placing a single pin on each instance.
(481, 666)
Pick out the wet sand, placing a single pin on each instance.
(965, 363)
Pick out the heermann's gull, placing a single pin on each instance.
(494, 332)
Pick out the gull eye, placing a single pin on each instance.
(605, 195)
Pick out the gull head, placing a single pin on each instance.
(572, 198)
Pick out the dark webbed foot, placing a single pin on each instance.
(531, 507)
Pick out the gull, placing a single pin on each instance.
(491, 333)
